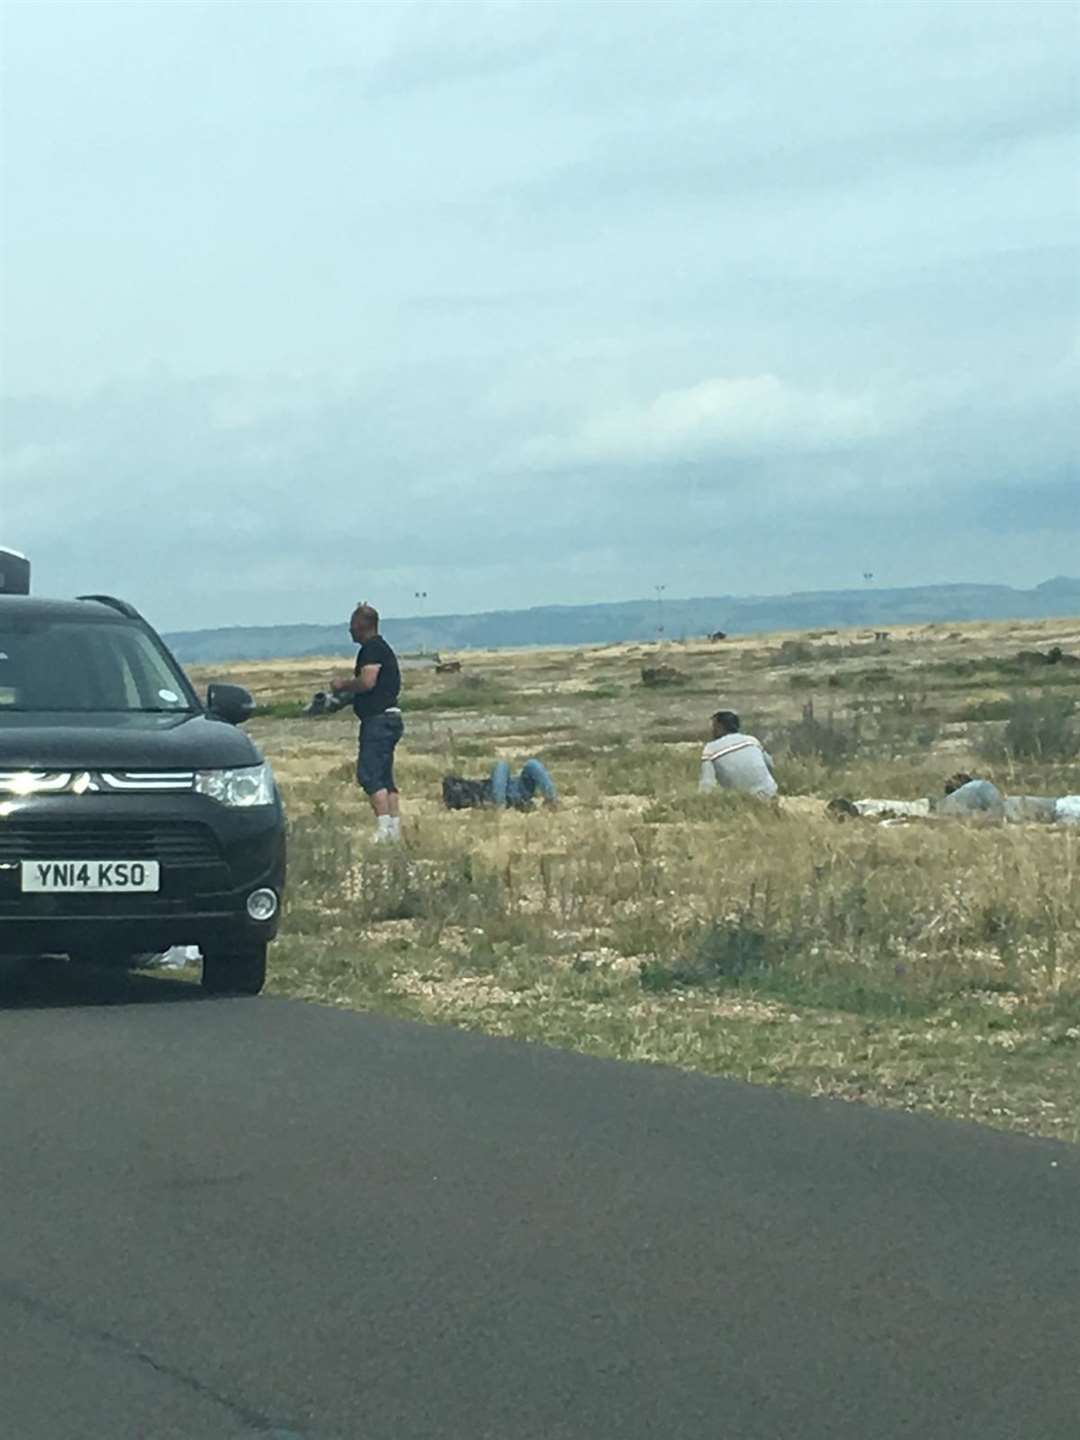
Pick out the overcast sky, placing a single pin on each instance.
(525, 303)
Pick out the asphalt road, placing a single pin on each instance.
(243, 1218)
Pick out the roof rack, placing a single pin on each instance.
(114, 604)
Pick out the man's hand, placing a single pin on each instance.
(343, 682)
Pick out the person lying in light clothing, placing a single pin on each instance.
(968, 797)
(734, 761)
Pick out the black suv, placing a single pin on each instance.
(132, 818)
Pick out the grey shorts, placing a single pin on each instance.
(379, 735)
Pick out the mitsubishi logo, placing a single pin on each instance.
(84, 782)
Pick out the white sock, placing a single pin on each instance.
(395, 826)
(384, 827)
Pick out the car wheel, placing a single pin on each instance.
(242, 973)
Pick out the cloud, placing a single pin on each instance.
(751, 415)
(675, 163)
(517, 303)
(232, 501)
(35, 462)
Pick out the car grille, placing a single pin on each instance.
(45, 782)
(148, 780)
(182, 843)
(193, 867)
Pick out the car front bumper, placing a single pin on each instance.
(211, 857)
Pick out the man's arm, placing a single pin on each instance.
(708, 776)
(356, 684)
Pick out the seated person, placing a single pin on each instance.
(501, 789)
(735, 761)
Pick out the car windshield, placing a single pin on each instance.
(67, 665)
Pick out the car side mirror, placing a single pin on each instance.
(231, 703)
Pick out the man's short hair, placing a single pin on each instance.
(957, 781)
(842, 809)
(728, 720)
(367, 614)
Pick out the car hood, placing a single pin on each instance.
(40, 741)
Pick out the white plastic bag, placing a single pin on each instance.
(893, 808)
(175, 958)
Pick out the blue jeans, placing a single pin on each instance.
(977, 797)
(518, 790)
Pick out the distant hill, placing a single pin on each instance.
(637, 620)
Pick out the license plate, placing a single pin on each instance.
(91, 876)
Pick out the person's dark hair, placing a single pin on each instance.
(368, 615)
(458, 793)
(727, 720)
(841, 809)
(954, 782)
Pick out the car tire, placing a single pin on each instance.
(241, 973)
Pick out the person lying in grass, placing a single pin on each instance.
(734, 761)
(502, 789)
(965, 797)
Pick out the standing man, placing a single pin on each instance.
(375, 686)
(734, 761)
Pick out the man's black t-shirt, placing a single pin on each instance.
(388, 685)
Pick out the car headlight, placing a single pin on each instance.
(252, 785)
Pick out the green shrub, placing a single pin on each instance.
(460, 697)
(831, 740)
(794, 652)
(985, 711)
(900, 723)
(281, 710)
(726, 950)
(876, 675)
(1042, 729)
(676, 732)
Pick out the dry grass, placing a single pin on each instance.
(931, 965)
